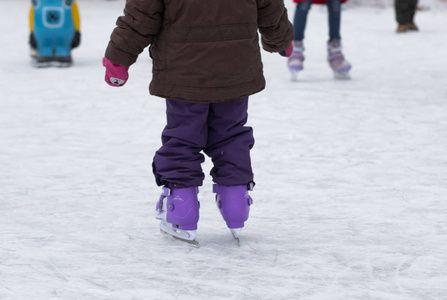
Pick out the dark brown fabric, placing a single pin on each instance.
(202, 50)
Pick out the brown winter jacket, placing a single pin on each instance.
(202, 50)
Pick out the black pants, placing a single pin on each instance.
(405, 10)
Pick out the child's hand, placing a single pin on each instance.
(116, 75)
(288, 51)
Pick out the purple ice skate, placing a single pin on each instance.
(234, 205)
(295, 61)
(337, 61)
(178, 211)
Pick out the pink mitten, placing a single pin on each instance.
(116, 75)
(288, 51)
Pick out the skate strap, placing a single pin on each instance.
(166, 192)
(335, 55)
(250, 187)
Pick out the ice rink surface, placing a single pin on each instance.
(351, 176)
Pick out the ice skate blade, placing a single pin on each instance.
(238, 241)
(189, 242)
(188, 236)
(294, 74)
(236, 232)
(342, 75)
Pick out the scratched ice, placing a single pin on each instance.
(351, 176)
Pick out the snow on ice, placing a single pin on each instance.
(350, 201)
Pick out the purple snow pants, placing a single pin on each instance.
(217, 129)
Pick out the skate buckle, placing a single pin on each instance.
(250, 186)
(166, 192)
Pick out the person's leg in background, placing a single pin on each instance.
(334, 19)
(405, 12)
(336, 59)
(295, 62)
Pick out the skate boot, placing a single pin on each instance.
(295, 62)
(178, 211)
(234, 205)
(337, 61)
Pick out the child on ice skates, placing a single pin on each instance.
(336, 59)
(206, 62)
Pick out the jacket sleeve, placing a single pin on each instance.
(274, 25)
(135, 30)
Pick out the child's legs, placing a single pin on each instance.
(300, 19)
(229, 142)
(177, 164)
(334, 15)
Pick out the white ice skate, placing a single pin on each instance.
(339, 65)
(295, 61)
